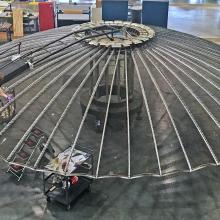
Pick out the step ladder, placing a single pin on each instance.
(34, 142)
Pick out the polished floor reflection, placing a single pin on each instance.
(194, 1)
(192, 197)
(196, 20)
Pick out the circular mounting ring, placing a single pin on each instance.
(124, 34)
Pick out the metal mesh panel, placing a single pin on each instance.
(146, 110)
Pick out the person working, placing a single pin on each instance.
(8, 97)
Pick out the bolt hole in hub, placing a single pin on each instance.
(116, 35)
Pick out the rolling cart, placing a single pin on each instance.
(65, 190)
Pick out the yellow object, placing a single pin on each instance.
(33, 3)
(72, 11)
(55, 163)
(18, 29)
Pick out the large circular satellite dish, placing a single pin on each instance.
(138, 100)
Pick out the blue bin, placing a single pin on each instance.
(114, 10)
(155, 12)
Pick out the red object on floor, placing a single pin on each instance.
(74, 180)
(46, 16)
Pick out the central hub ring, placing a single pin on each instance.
(116, 34)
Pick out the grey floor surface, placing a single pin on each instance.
(199, 20)
(182, 197)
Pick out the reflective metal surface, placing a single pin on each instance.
(177, 129)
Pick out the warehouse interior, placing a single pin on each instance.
(110, 109)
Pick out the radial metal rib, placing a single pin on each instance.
(198, 51)
(187, 110)
(73, 145)
(148, 111)
(52, 100)
(106, 114)
(185, 64)
(188, 88)
(76, 55)
(167, 109)
(68, 106)
(128, 115)
(193, 58)
(42, 56)
(188, 60)
(193, 79)
(190, 40)
(41, 92)
(41, 68)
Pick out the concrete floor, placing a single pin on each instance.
(182, 197)
(199, 20)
